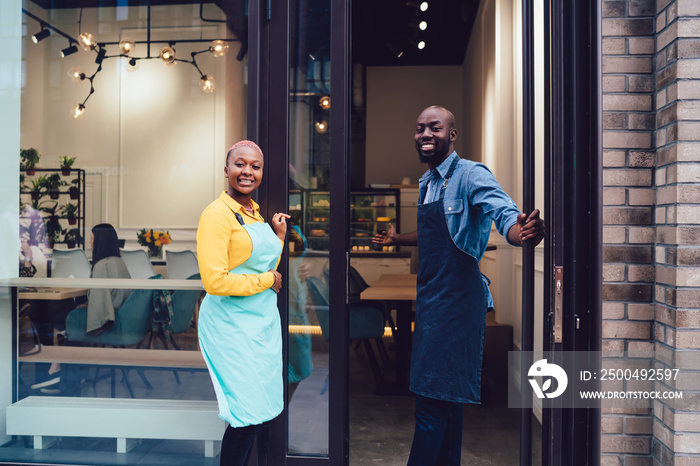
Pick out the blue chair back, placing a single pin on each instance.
(70, 262)
(138, 263)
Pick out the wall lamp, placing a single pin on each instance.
(88, 42)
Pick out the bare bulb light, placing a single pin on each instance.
(77, 111)
(421, 45)
(76, 74)
(207, 84)
(218, 48)
(167, 54)
(87, 41)
(424, 6)
(423, 25)
(321, 126)
(126, 46)
(325, 102)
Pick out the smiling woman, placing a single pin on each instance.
(239, 325)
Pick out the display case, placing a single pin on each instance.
(371, 211)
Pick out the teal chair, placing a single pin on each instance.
(184, 305)
(132, 323)
(366, 321)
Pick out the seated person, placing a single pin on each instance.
(103, 303)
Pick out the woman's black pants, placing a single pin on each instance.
(237, 445)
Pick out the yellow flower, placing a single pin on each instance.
(158, 243)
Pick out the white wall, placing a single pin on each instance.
(152, 143)
(395, 97)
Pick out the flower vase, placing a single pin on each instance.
(156, 253)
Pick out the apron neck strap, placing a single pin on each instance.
(447, 177)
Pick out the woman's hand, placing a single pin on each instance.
(279, 224)
(278, 280)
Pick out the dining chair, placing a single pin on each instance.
(138, 263)
(181, 264)
(132, 322)
(366, 321)
(70, 263)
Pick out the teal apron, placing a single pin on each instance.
(241, 341)
(450, 312)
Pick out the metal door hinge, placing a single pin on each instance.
(558, 300)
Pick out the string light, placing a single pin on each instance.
(325, 102)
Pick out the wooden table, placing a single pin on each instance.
(50, 294)
(400, 288)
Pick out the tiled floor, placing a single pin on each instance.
(381, 427)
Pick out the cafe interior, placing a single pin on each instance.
(127, 110)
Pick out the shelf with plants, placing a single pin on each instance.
(58, 194)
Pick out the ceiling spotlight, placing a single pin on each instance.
(132, 64)
(207, 84)
(423, 25)
(87, 41)
(70, 50)
(167, 54)
(218, 48)
(41, 35)
(421, 45)
(126, 46)
(77, 111)
(423, 6)
(325, 102)
(101, 55)
(76, 74)
(321, 126)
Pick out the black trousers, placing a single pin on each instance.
(237, 445)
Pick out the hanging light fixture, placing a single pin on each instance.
(218, 48)
(423, 25)
(126, 46)
(207, 84)
(76, 74)
(41, 35)
(167, 54)
(87, 41)
(77, 111)
(325, 102)
(424, 6)
(70, 50)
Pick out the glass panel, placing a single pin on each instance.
(129, 128)
(309, 109)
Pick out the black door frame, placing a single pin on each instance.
(268, 124)
(573, 198)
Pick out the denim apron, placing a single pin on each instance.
(241, 341)
(450, 312)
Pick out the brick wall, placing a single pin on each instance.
(629, 158)
(676, 424)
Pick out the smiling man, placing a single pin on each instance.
(458, 201)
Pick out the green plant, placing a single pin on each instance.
(53, 225)
(66, 162)
(53, 184)
(72, 237)
(38, 186)
(74, 190)
(30, 157)
(70, 211)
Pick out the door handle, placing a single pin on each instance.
(558, 301)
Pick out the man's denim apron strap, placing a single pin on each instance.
(450, 312)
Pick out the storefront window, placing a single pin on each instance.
(123, 117)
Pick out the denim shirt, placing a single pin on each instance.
(473, 199)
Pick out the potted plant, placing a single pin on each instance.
(53, 225)
(66, 164)
(74, 190)
(38, 186)
(53, 184)
(30, 157)
(72, 238)
(70, 211)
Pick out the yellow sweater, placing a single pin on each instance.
(223, 244)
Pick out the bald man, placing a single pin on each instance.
(458, 200)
